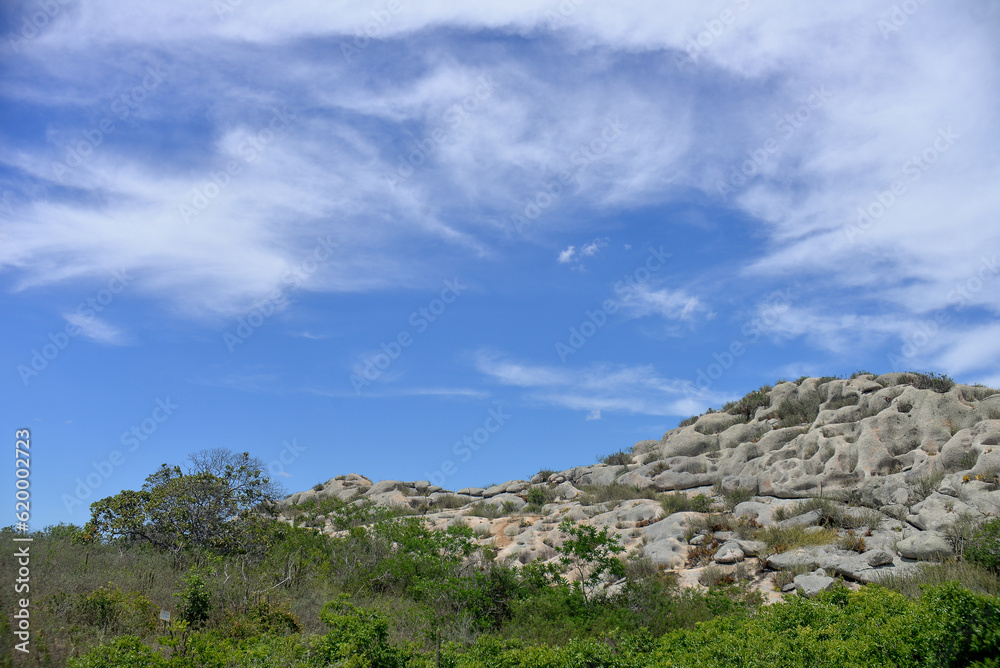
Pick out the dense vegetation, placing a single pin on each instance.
(388, 591)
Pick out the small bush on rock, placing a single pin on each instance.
(539, 496)
(748, 405)
(620, 458)
(793, 412)
(687, 422)
(938, 382)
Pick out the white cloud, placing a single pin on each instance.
(310, 336)
(594, 246)
(976, 349)
(574, 256)
(675, 305)
(599, 388)
(687, 125)
(96, 329)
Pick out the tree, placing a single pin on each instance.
(592, 554)
(242, 470)
(221, 504)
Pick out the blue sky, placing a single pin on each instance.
(458, 242)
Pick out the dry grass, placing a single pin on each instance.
(778, 539)
(966, 574)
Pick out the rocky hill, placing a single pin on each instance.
(789, 487)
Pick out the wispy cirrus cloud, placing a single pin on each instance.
(97, 329)
(595, 389)
(674, 305)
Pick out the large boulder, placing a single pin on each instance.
(729, 553)
(925, 546)
(813, 583)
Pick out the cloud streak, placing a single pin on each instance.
(595, 389)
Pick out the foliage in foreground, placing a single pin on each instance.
(947, 626)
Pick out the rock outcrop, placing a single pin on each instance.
(892, 465)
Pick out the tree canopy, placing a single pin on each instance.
(220, 503)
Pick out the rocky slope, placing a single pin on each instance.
(789, 487)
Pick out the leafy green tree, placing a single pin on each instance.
(591, 554)
(222, 508)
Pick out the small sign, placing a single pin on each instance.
(165, 615)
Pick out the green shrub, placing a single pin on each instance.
(932, 381)
(961, 530)
(852, 542)
(620, 458)
(358, 637)
(679, 502)
(122, 652)
(984, 547)
(539, 496)
(687, 422)
(447, 501)
(738, 496)
(968, 575)
(196, 598)
(947, 626)
(840, 402)
(115, 611)
(488, 510)
(925, 485)
(545, 473)
(795, 411)
(748, 405)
